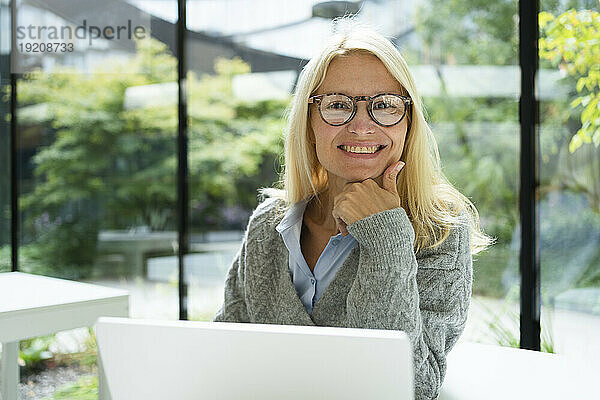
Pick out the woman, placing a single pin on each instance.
(366, 232)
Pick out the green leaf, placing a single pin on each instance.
(575, 143)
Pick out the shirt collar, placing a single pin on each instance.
(293, 215)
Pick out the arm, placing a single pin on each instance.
(234, 305)
(426, 297)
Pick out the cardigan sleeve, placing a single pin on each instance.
(234, 308)
(234, 304)
(426, 295)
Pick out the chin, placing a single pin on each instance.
(357, 177)
(350, 176)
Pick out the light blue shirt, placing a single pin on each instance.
(309, 286)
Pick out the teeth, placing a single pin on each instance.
(359, 149)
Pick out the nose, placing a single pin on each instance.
(362, 122)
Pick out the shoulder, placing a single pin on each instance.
(267, 214)
(460, 229)
(457, 240)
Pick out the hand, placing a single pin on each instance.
(361, 199)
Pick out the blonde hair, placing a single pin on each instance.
(432, 204)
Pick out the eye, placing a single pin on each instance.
(383, 105)
(338, 105)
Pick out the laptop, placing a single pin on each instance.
(151, 359)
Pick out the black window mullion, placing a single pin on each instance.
(182, 150)
(529, 175)
(14, 174)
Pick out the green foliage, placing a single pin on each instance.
(477, 31)
(86, 388)
(503, 326)
(507, 336)
(86, 359)
(489, 28)
(105, 166)
(479, 145)
(95, 147)
(5, 260)
(233, 148)
(474, 154)
(35, 355)
(34, 351)
(572, 41)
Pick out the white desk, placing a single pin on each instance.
(477, 371)
(33, 305)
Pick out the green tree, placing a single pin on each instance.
(470, 31)
(105, 166)
(234, 148)
(478, 31)
(571, 41)
(478, 137)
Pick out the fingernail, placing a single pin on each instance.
(399, 166)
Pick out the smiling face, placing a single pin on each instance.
(357, 75)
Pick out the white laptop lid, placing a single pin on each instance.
(145, 359)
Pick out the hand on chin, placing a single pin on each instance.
(369, 196)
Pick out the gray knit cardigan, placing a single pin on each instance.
(382, 284)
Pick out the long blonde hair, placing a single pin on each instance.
(431, 202)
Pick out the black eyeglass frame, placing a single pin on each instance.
(316, 99)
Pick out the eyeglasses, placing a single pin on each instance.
(385, 109)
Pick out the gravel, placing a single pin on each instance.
(44, 384)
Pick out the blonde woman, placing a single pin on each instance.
(366, 232)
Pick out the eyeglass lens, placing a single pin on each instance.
(337, 109)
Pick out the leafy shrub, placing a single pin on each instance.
(33, 352)
(105, 166)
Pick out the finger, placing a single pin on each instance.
(390, 175)
(340, 224)
(343, 229)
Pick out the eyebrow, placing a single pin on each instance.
(348, 93)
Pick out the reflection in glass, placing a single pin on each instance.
(467, 66)
(96, 155)
(570, 183)
(475, 121)
(244, 59)
(5, 221)
(96, 164)
(233, 148)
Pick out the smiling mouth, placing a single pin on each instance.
(362, 149)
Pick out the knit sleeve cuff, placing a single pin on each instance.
(386, 231)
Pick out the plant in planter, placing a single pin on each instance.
(33, 354)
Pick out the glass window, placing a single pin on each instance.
(465, 61)
(5, 221)
(474, 119)
(96, 153)
(244, 59)
(235, 137)
(569, 193)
